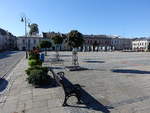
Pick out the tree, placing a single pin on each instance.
(57, 39)
(75, 39)
(33, 29)
(45, 44)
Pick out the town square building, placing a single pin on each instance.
(7, 40)
(29, 42)
(119, 43)
(97, 43)
(140, 44)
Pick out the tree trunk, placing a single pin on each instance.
(57, 53)
(45, 51)
(75, 57)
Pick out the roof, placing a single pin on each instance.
(2, 31)
(141, 39)
(97, 36)
(30, 36)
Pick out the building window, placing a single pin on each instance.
(23, 41)
(99, 42)
(29, 41)
(34, 41)
(91, 41)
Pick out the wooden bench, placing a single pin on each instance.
(68, 87)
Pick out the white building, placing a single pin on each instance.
(140, 44)
(28, 43)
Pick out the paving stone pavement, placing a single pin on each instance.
(23, 98)
(118, 81)
(115, 82)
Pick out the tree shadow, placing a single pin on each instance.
(6, 54)
(65, 55)
(94, 61)
(53, 60)
(3, 84)
(89, 101)
(56, 67)
(76, 68)
(130, 71)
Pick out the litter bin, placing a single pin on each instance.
(42, 57)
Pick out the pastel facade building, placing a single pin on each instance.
(97, 43)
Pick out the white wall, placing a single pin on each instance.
(139, 45)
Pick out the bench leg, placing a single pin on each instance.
(65, 102)
(79, 99)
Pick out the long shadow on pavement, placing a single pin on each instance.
(94, 61)
(6, 54)
(52, 84)
(65, 55)
(130, 71)
(90, 102)
(3, 84)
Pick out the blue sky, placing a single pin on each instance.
(128, 18)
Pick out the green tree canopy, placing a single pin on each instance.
(45, 44)
(57, 39)
(33, 29)
(75, 39)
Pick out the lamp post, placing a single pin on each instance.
(26, 23)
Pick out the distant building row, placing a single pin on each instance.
(106, 43)
(91, 43)
(7, 40)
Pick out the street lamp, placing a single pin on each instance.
(26, 23)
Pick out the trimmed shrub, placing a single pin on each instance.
(33, 55)
(38, 67)
(38, 76)
(34, 62)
